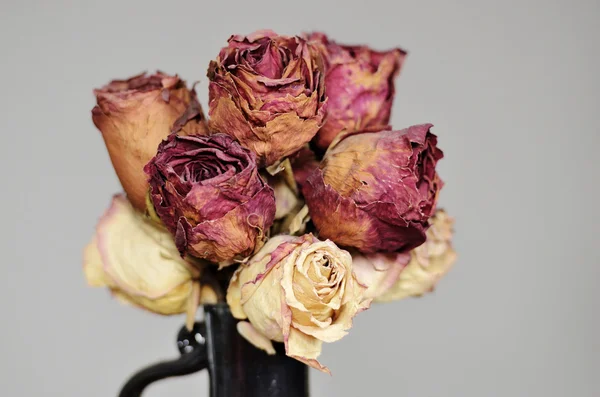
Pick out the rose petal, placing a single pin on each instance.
(248, 332)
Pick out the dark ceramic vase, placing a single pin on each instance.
(236, 368)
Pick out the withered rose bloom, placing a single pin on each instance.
(135, 115)
(208, 193)
(267, 91)
(297, 290)
(138, 261)
(375, 191)
(359, 83)
(428, 262)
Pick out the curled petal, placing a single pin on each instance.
(248, 332)
(306, 349)
(379, 271)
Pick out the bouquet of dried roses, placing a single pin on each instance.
(295, 202)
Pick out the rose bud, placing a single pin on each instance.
(359, 83)
(209, 194)
(134, 115)
(267, 91)
(138, 261)
(299, 291)
(375, 191)
(428, 262)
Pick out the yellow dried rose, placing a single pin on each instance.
(297, 290)
(138, 261)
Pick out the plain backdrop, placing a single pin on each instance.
(512, 88)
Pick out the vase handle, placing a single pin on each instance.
(194, 358)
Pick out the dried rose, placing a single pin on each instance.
(375, 191)
(134, 115)
(138, 261)
(267, 91)
(428, 262)
(208, 193)
(359, 83)
(300, 291)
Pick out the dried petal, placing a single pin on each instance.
(379, 271)
(248, 332)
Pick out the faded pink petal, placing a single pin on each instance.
(378, 271)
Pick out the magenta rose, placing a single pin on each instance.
(208, 193)
(375, 191)
(359, 83)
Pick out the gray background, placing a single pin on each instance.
(513, 90)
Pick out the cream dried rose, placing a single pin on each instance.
(297, 290)
(138, 261)
(394, 276)
(428, 262)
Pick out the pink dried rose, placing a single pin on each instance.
(297, 290)
(209, 194)
(267, 91)
(359, 83)
(375, 191)
(135, 115)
